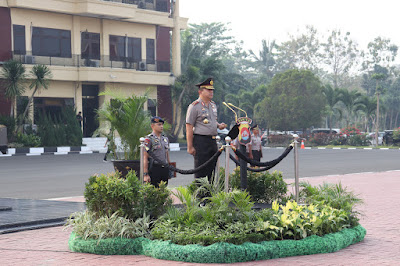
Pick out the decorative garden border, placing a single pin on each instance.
(219, 252)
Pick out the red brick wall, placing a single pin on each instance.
(5, 33)
(164, 102)
(5, 53)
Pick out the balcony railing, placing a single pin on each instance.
(104, 61)
(157, 5)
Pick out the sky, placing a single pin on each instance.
(254, 20)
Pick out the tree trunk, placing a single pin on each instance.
(178, 107)
(29, 104)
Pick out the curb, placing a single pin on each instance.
(337, 148)
(25, 151)
(48, 151)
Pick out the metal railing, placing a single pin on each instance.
(102, 61)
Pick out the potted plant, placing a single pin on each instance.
(126, 118)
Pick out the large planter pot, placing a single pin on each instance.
(124, 166)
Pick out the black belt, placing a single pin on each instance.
(205, 136)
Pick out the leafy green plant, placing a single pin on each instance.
(28, 140)
(263, 187)
(333, 195)
(108, 194)
(128, 118)
(63, 130)
(289, 221)
(10, 123)
(88, 225)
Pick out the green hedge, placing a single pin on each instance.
(219, 252)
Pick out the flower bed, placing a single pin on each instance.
(127, 217)
(219, 252)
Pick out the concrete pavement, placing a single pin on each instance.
(381, 246)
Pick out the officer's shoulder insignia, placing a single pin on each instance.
(147, 142)
(195, 102)
(212, 102)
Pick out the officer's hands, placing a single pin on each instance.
(191, 150)
(222, 126)
(147, 179)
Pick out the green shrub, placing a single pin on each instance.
(333, 195)
(289, 221)
(28, 140)
(63, 130)
(358, 140)
(88, 226)
(264, 187)
(108, 194)
(10, 123)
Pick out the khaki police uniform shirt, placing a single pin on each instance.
(159, 146)
(255, 142)
(236, 144)
(202, 117)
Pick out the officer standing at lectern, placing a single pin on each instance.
(158, 144)
(201, 128)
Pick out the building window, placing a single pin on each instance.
(19, 39)
(90, 45)
(150, 51)
(117, 48)
(51, 42)
(135, 49)
(122, 48)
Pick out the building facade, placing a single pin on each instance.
(92, 46)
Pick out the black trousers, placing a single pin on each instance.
(206, 147)
(157, 174)
(256, 155)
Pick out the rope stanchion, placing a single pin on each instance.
(188, 172)
(264, 164)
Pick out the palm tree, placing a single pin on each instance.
(13, 73)
(265, 61)
(351, 101)
(332, 98)
(41, 75)
(368, 107)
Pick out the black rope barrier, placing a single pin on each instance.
(264, 164)
(250, 168)
(191, 171)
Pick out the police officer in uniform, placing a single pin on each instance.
(158, 144)
(256, 147)
(201, 128)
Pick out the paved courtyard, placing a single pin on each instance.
(381, 246)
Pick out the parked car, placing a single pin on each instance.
(325, 130)
(222, 133)
(388, 138)
(371, 137)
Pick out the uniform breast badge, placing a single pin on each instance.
(205, 121)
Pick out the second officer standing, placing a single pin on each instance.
(201, 128)
(158, 144)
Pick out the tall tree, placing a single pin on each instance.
(40, 79)
(13, 73)
(265, 60)
(379, 90)
(301, 51)
(382, 52)
(332, 97)
(368, 108)
(203, 47)
(351, 102)
(340, 54)
(294, 100)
